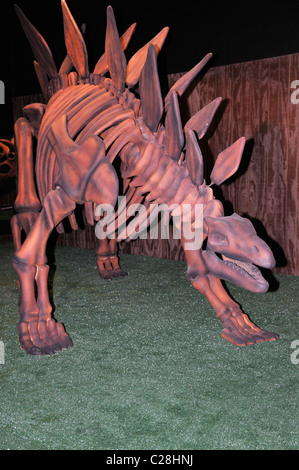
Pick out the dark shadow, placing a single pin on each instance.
(7, 185)
(184, 107)
(227, 205)
(216, 119)
(50, 254)
(209, 157)
(276, 249)
(245, 161)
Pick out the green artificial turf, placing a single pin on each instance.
(148, 369)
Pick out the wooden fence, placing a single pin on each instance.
(256, 104)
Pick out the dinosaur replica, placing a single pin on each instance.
(7, 162)
(88, 121)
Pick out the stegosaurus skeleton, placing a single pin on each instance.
(89, 119)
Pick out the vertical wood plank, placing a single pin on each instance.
(256, 104)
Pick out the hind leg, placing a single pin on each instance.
(39, 333)
(107, 259)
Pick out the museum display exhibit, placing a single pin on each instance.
(161, 163)
(172, 202)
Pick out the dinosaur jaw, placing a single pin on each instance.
(245, 275)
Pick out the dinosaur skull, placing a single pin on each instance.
(235, 239)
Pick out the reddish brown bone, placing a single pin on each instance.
(27, 199)
(115, 56)
(101, 65)
(136, 63)
(89, 121)
(74, 42)
(39, 46)
(150, 92)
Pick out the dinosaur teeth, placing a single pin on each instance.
(242, 274)
(244, 268)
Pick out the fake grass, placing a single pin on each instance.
(148, 369)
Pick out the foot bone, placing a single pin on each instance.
(43, 337)
(109, 268)
(240, 331)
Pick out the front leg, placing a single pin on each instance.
(39, 333)
(27, 204)
(237, 327)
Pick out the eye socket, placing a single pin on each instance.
(218, 239)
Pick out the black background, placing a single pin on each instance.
(233, 31)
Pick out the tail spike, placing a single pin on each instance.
(228, 162)
(74, 42)
(115, 56)
(194, 159)
(101, 66)
(137, 62)
(173, 128)
(201, 121)
(150, 92)
(182, 84)
(40, 48)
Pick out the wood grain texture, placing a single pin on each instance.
(257, 105)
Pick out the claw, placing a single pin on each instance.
(109, 268)
(43, 337)
(240, 331)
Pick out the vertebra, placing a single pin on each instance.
(88, 121)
